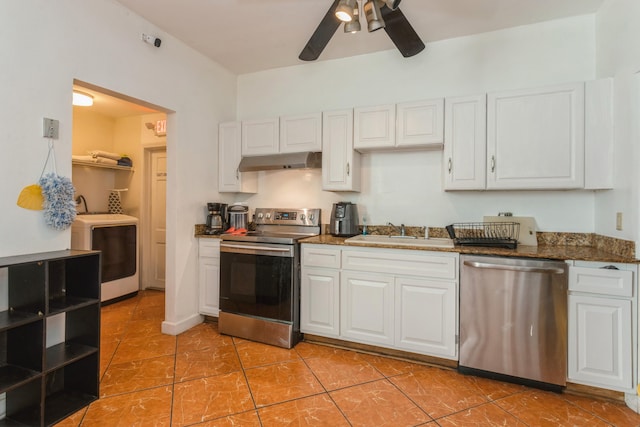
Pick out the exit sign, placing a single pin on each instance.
(161, 128)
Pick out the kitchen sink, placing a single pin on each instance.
(371, 239)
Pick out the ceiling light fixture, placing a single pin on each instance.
(353, 26)
(373, 15)
(81, 99)
(344, 11)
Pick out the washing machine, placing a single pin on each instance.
(116, 235)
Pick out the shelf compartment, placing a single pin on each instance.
(63, 354)
(12, 376)
(101, 165)
(23, 405)
(73, 281)
(21, 353)
(69, 388)
(10, 319)
(26, 287)
(67, 303)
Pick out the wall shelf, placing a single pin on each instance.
(100, 165)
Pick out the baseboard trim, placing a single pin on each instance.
(175, 328)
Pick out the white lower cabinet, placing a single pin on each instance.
(426, 316)
(209, 276)
(601, 326)
(320, 302)
(394, 298)
(366, 309)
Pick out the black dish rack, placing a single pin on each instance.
(492, 234)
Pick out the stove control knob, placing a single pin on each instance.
(310, 217)
(303, 217)
(267, 215)
(260, 215)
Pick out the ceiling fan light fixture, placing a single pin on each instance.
(392, 4)
(373, 15)
(354, 25)
(344, 11)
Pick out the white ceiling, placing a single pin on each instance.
(252, 35)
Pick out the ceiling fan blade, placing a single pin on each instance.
(401, 32)
(321, 36)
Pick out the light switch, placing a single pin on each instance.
(618, 221)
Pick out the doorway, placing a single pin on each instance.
(121, 124)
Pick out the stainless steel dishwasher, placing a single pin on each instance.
(513, 319)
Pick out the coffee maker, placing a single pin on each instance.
(217, 218)
(344, 219)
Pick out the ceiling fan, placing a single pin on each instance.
(379, 14)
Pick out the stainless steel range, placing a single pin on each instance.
(260, 277)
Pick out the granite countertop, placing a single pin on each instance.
(561, 252)
(562, 246)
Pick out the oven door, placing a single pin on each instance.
(257, 279)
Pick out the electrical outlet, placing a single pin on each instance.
(619, 221)
(50, 128)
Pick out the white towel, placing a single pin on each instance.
(83, 158)
(105, 154)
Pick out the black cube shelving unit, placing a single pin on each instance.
(43, 383)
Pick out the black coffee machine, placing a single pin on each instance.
(217, 218)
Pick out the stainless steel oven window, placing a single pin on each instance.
(118, 246)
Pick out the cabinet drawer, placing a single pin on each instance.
(209, 248)
(601, 281)
(317, 256)
(402, 262)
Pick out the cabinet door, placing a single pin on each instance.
(209, 276)
(340, 163)
(230, 179)
(535, 138)
(465, 143)
(600, 342)
(260, 137)
(366, 311)
(374, 127)
(301, 133)
(320, 302)
(426, 317)
(420, 124)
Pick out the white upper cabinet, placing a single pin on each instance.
(301, 133)
(465, 143)
(535, 138)
(340, 163)
(230, 179)
(260, 137)
(374, 127)
(598, 155)
(420, 124)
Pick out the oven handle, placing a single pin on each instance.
(255, 247)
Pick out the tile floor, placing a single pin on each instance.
(202, 378)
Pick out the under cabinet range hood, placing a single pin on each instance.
(306, 160)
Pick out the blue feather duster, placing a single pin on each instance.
(59, 205)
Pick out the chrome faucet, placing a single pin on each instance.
(401, 228)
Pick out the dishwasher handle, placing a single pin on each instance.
(520, 268)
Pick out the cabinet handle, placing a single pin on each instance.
(449, 164)
(493, 163)
(348, 169)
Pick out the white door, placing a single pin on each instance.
(465, 143)
(157, 216)
(600, 339)
(340, 164)
(366, 310)
(535, 138)
(320, 302)
(426, 316)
